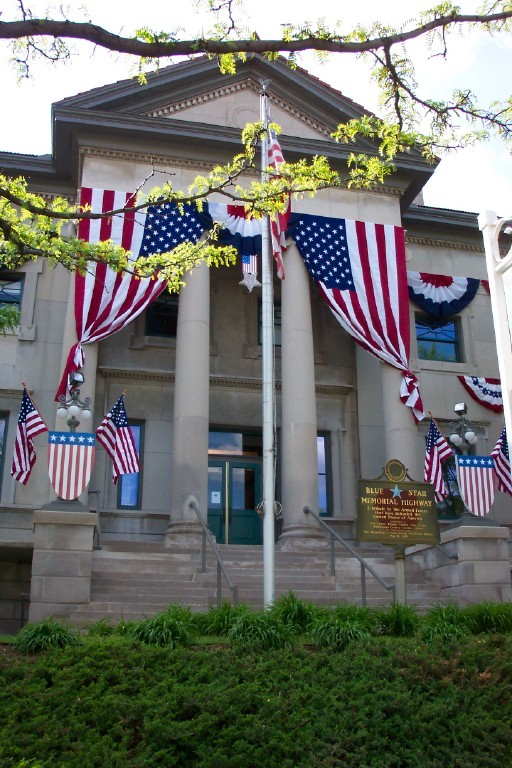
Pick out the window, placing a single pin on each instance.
(129, 487)
(323, 452)
(11, 289)
(277, 324)
(3, 437)
(438, 339)
(234, 443)
(162, 316)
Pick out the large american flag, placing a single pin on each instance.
(278, 222)
(360, 269)
(106, 301)
(437, 451)
(116, 437)
(30, 424)
(477, 483)
(502, 463)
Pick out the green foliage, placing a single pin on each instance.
(384, 703)
(35, 638)
(489, 617)
(9, 318)
(171, 628)
(445, 623)
(297, 614)
(262, 631)
(218, 621)
(343, 625)
(398, 620)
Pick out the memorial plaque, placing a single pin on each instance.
(397, 513)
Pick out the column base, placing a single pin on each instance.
(184, 534)
(301, 537)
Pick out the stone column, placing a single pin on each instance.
(299, 428)
(189, 461)
(61, 563)
(400, 433)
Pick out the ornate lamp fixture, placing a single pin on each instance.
(72, 408)
(462, 431)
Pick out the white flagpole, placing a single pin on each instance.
(267, 315)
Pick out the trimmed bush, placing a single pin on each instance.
(35, 638)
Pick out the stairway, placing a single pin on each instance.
(133, 581)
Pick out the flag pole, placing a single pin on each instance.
(267, 316)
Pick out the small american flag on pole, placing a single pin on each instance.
(116, 437)
(279, 221)
(437, 451)
(502, 463)
(30, 424)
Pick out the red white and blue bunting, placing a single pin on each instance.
(441, 295)
(485, 391)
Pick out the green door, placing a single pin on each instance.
(234, 491)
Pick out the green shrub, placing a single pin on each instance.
(445, 623)
(34, 638)
(262, 631)
(489, 617)
(100, 629)
(218, 621)
(295, 613)
(398, 620)
(171, 628)
(335, 632)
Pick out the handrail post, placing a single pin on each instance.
(333, 563)
(203, 554)
(363, 585)
(219, 586)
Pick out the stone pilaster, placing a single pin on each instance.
(189, 461)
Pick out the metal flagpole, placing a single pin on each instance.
(267, 315)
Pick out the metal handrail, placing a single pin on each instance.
(207, 536)
(365, 566)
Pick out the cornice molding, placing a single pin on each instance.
(451, 244)
(218, 382)
(183, 162)
(250, 85)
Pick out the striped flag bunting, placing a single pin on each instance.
(486, 392)
(477, 483)
(70, 462)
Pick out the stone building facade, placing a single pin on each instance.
(192, 364)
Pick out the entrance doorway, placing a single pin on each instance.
(234, 491)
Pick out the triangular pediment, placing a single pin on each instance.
(238, 103)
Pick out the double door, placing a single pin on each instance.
(234, 491)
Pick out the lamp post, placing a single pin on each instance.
(463, 434)
(72, 408)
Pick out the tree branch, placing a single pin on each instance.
(31, 28)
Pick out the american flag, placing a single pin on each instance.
(502, 463)
(116, 437)
(106, 301)
(30, 424)
(477, 483)
(239, 230)
(360, 269)
(279, 222)
(437, 451)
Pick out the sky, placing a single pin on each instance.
(474, 179)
